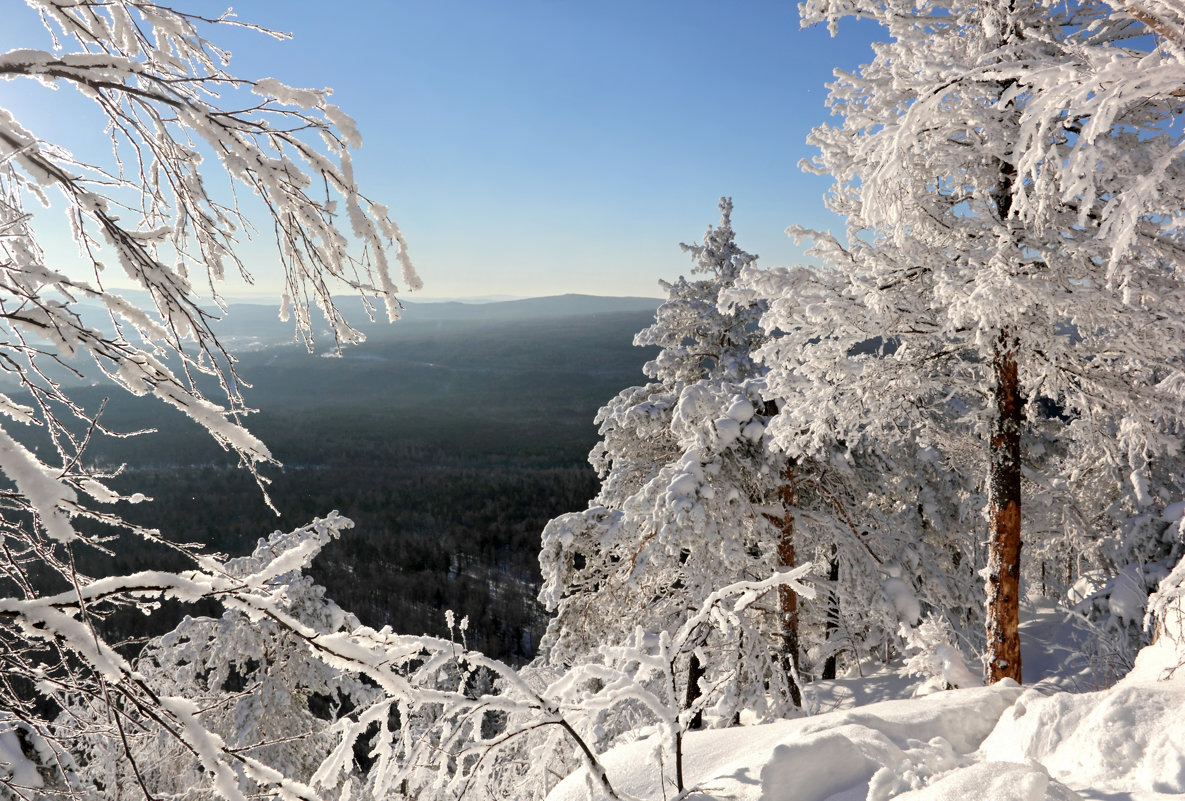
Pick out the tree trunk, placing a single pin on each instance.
(787, 599)
(1003, 581)
(832, 663)
(695, 672)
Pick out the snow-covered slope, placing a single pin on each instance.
(1000, 743)
(835, 755)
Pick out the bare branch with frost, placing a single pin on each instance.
(194, 153)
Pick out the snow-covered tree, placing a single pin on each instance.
(993, 289)
(891, 515)
(185, 135)
(689, 492)
(1114, 107)
(692, 496)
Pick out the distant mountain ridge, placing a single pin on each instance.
(260, 325)
(526, 308)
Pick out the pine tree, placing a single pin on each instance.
(1113, 106)
(985, 306)
(687, 483)
(890, 515)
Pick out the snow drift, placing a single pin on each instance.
(998, 743)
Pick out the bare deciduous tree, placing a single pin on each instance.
(186, 138)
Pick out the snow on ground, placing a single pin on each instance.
(1127, 742)
(1058, 739)
(832, 756)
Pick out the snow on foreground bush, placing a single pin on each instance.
(287, 696)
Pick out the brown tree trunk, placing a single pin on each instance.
(1003, 582)
(787, 599)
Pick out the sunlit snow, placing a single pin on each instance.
(871, 740)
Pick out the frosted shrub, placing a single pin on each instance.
(256, 685)
(931, 653)
(1166, 609)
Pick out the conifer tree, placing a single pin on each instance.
(1102, 133)
(986, 305)
(687, 483)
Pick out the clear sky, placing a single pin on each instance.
(537, 147)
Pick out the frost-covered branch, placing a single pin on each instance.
(453, 737)
(197, 158)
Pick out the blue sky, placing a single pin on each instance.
(536, 147)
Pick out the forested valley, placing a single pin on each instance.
(450, 440)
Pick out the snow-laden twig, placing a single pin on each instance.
(187, 138)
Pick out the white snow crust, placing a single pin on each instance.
(833, 756)
(1001, 743)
